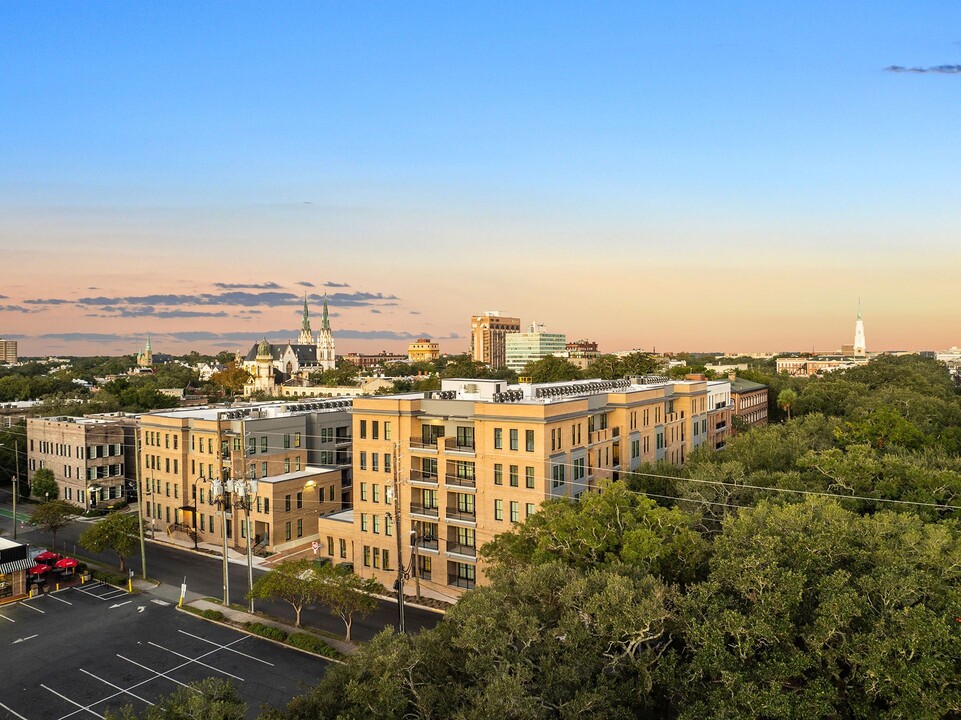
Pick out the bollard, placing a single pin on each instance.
(129, 585)
(58, 587)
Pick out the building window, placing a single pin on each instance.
(297, 463)
(263, 444)
(375, 488)
(287, 530)
(286, 465)
(375, 462)
(514, 475)
(557, 475)
(300, 527)
(297, 439)
(374, 430)
(363, 428)
(387, 462)
(363, 522)
(498, 438)
(300, 501)
(263, 470)
(363, 460)
(387, 430)
(530, 509)
(343, 547)
(498, 509)
(376, 557)
(515, 512)
(330, 493)
(287, 440)
(363, 491)
(330, 546)
(251, 445)
(529, 438)
(366, 555)
(529, 477)
(386, 558)
(376, 524)
(287, 503)
(513, 439)
(498, 474)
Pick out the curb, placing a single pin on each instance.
(261, 637)
(408, 603)
(216, 556)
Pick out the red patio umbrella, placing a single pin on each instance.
(47, 557)
(66, 563)
(39, 569)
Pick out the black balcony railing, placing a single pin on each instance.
(454, 444)
(420, 476)
(455, 547)
(456, 514)
(461, 582)
(427, 543)
(418, 509)
(468, 482)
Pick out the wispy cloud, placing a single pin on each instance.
(235, 298)
(19, 308)
(936, 69)
(305, 283)
(248, 286)
(336, 284)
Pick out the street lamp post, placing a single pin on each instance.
(220, 489)
(15, 485)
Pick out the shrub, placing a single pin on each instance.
(110, 578)
(213, 615)
(311, 643)
(267, 631)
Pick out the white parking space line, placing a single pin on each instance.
(64, 697)
(33, 608)
(224, 647)
(156, 674)
(115, 687)
(112, 595)
(190, 659)
(54, 597)
(12, 712)
(8, 620)
(159, 602)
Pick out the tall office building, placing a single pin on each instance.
(8, 351)
(487, 333)
(533, 345)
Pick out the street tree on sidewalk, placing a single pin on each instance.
(296, 582)
(44, 486)
(117, 532)
(346, 594)
(53, 516)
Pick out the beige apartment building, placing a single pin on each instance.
(298, 452)
(487, 337)
(86, 456)
(471, 459)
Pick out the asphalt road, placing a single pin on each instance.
(203, 575)
(80, 651)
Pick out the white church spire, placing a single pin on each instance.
(860, 347)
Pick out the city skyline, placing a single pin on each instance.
(693, 178)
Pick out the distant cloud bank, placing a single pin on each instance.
(937, 69)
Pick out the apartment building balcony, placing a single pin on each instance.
(461, 482)
(457, 515)
(721, 425)
(456, 548)
(343, 441)
(429, 544)
(455, 445)
(455, 581)
(417, 445)
(419, 477)
(423, 511)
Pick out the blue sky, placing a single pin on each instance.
(390, 146)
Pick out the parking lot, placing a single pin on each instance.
(80, 651)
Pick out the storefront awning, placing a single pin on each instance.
(15, 565)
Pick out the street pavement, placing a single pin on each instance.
(204, 578)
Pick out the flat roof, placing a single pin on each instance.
(264, 410)
(344, 516)
(308, 472)
(77, 420)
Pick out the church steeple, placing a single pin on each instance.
(326, 352)
(325, 323)
(860, 346)
(306, 336)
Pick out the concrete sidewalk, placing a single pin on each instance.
(239, 616)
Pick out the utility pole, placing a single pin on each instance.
(16, 484)
(140, 509)
(400, 546)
